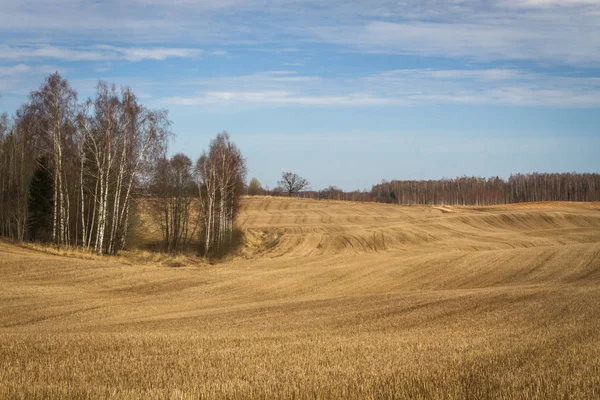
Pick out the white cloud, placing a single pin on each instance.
(95, 53)
(15, 69)
(548, 3)
(555, 31)
(502, 40)
(269, 80)
(456, 74)
(19, 79)
(281, 99)
(394, 88)
(156, 53)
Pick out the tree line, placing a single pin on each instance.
(481, 191)
(459, 191)
(71, 173)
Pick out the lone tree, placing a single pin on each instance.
(292, 183)
(255, 188)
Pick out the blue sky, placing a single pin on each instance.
(344, 93)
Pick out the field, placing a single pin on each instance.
(325, 300)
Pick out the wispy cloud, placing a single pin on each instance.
(508, 40)
(548, 3)
(486, 40)
(16, 80)
(395, 88)
(282, 99)
(548, 31)
(15, 69)
(94, 53)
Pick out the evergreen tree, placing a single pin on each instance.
(40, 203)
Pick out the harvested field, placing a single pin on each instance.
(325, 300)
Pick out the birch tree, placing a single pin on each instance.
(55, 107)
(220, 176)
(120, 137)
(96, 154)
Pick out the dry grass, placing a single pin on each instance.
(327, 300)
(126, 257)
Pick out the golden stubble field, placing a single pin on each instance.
(326, 300)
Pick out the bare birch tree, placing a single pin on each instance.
(120, 137)
(220, 176)
(55, 105)
(96, 155)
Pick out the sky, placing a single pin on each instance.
(344, 93)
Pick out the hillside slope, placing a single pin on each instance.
(331, 299)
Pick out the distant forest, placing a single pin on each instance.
(475, 191)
